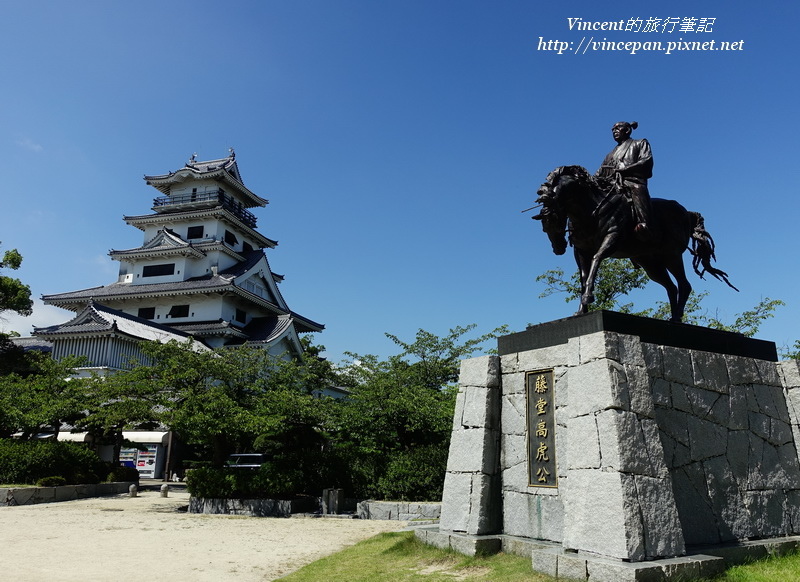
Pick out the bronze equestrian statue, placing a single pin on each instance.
(601, 221)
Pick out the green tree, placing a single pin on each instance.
(618, 277)
(118, 402)
(206, 395)
(293, 419)
(748, 322)
(400, 413)
(436, 360)
(615, 279)
(14, 294)
(231, 399)
(15, 359)
(793, 353)
(42, 400)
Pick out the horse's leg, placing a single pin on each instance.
(675, 266)
(656, 269)
(583, 260)
(605, 250)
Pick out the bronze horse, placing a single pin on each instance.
(601, 225)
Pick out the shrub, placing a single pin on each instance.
(208, 482)
(264, 483)
(122, 473)
(415, 475)
(189, 465)
(29, 461)
(274, 481)
(54, 481)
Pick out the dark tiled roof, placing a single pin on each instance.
(260, 329)
(223, 163)
(93, 325)
(303, 324)
(98, 318)
(250, 260)
(223, 281)
(119, 290)
(204, 328)
(164, 243)
(264, 329)
(33, 344)
(228, 164)
(210, 212)
(203, 283)
(225, 169)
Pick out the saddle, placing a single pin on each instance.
(617, 192)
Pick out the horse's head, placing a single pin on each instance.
(552, 215)
(563, 188)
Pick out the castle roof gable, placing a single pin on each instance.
(224, 170)
(166, 242)
(98, 319)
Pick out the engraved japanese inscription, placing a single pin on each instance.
(541, 425)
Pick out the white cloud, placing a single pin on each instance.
(43, 315)
(29, 144)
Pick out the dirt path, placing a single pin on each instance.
(123, 538)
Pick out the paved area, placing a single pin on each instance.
(123, 538)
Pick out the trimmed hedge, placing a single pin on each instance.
(29, 461)
(51, 482)
(263, 483)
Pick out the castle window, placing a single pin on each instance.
(247, 247)
(230, 238)
(179, 311)
(158, 270)
(147, 312)
(195, 232)
(241, 316)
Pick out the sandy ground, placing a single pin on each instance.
(123, 538)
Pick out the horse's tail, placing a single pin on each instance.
(703, 250)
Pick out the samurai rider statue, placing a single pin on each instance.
(626, 169)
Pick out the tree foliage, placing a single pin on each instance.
(793, 353)
(388, 439)
(618, 277)
(14, 294)
(32, 461)
(615, 279)
(231, 399)
(748, 322)
(42, 400)
(118, 402)
(399, 412)
(13, 358)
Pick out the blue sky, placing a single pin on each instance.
(397, 142)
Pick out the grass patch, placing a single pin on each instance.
(773, 569)
(401, 557)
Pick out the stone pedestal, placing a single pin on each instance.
(667, 437)
(472, 481)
